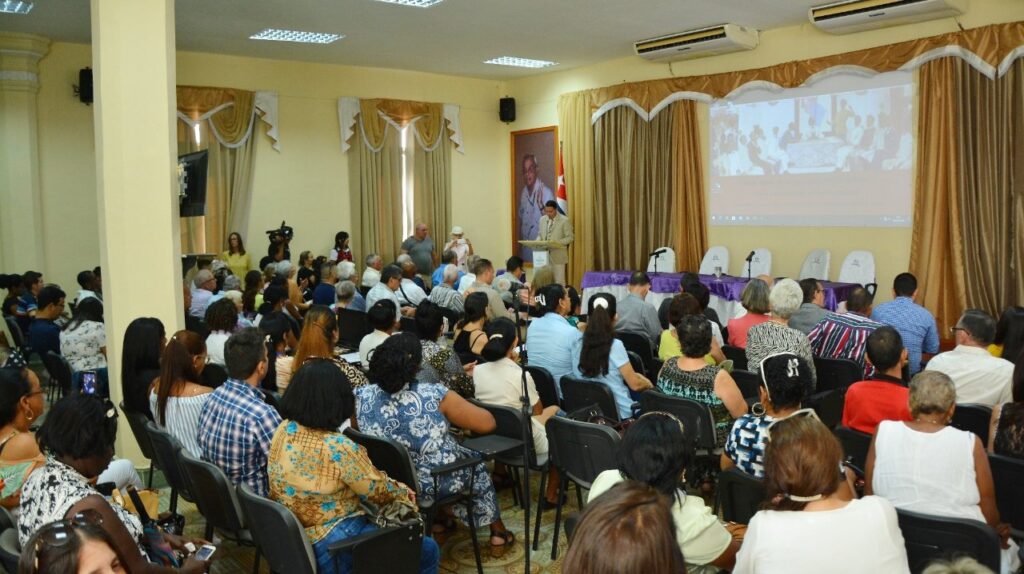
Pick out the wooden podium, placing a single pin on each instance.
(540, 250)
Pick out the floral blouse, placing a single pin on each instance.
(322, 476)
(81, 346)
(441, 365)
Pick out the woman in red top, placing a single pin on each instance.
(755, 300)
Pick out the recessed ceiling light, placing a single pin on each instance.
(416, 3)
(15, 7)
(296, 36)
(520, 62)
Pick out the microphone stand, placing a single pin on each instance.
(749, 262)
(527, 410)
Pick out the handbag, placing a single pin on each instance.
(395, 513)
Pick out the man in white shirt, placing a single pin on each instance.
(635, 315)
(382, 318)
(979, 377)
(373, 266)
(484, 272)
(409, 293)
(390, 280)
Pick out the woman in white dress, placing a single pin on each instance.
(177, 397)
(926, 466)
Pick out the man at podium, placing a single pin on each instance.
(556, 229)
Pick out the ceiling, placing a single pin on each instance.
(453, 37)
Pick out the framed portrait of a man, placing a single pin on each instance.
(534, 181)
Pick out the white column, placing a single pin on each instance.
(134, 72)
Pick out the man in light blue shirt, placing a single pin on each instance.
(915, 324)
(550, 339)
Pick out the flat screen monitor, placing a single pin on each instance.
(193, 183)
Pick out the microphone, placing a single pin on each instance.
(750, 257)
(658, 252)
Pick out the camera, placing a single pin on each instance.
(283, 233)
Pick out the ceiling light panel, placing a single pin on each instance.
(15, 7)
(520, 62)
(276, 35)
(416, 3)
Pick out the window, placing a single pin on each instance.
(408, 214)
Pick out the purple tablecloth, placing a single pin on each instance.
(730, 288)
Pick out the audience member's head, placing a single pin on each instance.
(374, 260)
(274, 296)
(233, 283)
(784, 378)
(471, 261)
(204, 279)
(395, 362)
(429, 321)
(514, 266)
(963, 565)
(222, 315)
(597, 339)
(341, 241)
(381, 316)
(328, 273)
(687, 278)
(449, 257)
(1010, 333)
(629, 528)
(785, 298)
(246, 356)
(551, 299)
(859, 301)
(87, 280)
(88, 309)
(501, 339)
(71, 546)
(801, 462)
(285, 269)
(408, 268)
(20, 397)
(768, 280)
(975, 328)
(932, 393)
(182, 361)
(32, 281)
(319, 335)
(305, 277)
(755, 297)
(144, 340)
(450, 275)
(80, 431)
(655, 451)
(344, 292)
(305, 258)
(420, 231)
(269, 272)
(345, 271)
(885, 349)
(682, 305)
(236, 298)
(639, 284)
(484, 271)
(475, 308)
(694, 332)
(701, 293)
(813, 291)
(391, 277)
(235, 244)
(319, 396)
(575, 301)
(50, 302)
(542, 277)
(904, 285)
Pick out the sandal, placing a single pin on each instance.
(508, 539)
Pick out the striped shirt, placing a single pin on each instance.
(915, 325)
(182, 419)
(443, 295)
(844, 337)
(770, 338)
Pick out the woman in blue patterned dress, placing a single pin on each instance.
(417, 415)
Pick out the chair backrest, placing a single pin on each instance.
(387, 455)
(717, 256)
(388, 550)
(974, 418)
(858, 267)
(280, 537)
(640, 345)
(828, 405)
(581, 393)
(137, 422)
(214, 375)
(761, 264)
(166, 451)
(816, 265)
(10, 551)
(17, 336)
(546, 386)
(352, 327)
(929, 538)
(59, 368)
(571, 522)
(836, 373)
(740, 495)
(663, 263)
(1008, 476)
(749, 383)
(581, 450)
(215, 495)
(509, 423)
(738, 356)
(855, 444)
(698, 424)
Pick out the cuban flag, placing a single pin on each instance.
(560, 196)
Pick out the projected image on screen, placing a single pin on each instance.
(839, 153)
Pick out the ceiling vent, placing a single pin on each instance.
(859, 15)
(697, 43)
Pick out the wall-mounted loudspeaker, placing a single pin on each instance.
(507, 110)
(84, 87)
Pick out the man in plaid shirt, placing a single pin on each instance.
(236, 425)
(845, 336)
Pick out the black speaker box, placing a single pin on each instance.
(507, 109)
(85, 85)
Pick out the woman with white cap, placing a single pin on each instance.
(461, 246)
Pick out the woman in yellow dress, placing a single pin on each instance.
(237, 259)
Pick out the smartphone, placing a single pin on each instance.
(89, 383)
(205, 552)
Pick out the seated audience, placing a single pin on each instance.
(691, 377)
(783, 380)
(144, 342)
(844, 336)
(448, 257)
(344, 295)
(663, 308)
(43, 332)
(600, 357)
(915, 323)
(655, 452)
(775, 336)
(279, 341)
(235, 296)
(755, 300)
(410, 293)
(75, 545)
(483, 273)
(883, 396)
(979, 377)
(28, 304)
(321, 475)
(323, 293)
(385, 290)
(371, 275)
(236, 425)
(222, 320)
(514, 269)
(550, 337)
(444, 294)
(441, 363)
(89, 285)
(812, 310)
(469, 333)
(346, 271)
(810, 500)
(679, 307)
(1006, 436)
(83, 342)
(178, 397)
(77, 438)
(14, 287)
(305, 280)
(703, 296)
(628, 529)
(319, 337)
(635, 315)
(194, 324)
(927, 466)
(341, 251)
(418, 416)
(22, 402)
(1008, 342)
(382, 318)
(204, 285)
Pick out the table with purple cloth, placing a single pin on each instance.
(726, 291)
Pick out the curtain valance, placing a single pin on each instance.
(431, 121)
(990, 49)
(231, 113)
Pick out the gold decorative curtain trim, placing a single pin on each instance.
(431, 121)
(231, 113)
(989, 49)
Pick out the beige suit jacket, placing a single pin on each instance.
(558, 230)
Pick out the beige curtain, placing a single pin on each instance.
(689, 205)
(375, 184)
(432, 189)
(578, 160)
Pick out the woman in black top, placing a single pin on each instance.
(144, 340)
(469, 333)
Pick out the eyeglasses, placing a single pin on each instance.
(953, 330)
(60, 533)
(808, 412)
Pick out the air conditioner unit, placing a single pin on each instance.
(697, 43)
(859, 15)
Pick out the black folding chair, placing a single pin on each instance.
(578, 394)
(545, 384)
(1008, 476)
(855, 444)
(166, 449)
(974, 418)
(640, 345)
(748, 383)
(10, 550)
(571, 522)
(828, 405)
(738, 356)
(214, 375)
(930, 538)
(19, 341)
(740, 495)
(352, 327)
(509, 425)
(698, 424)
(137, 423)
(836, 373)
(580, 451)
(60, 374)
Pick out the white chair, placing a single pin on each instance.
(717, 256)
(664, 263)
(858, 267)
(761, 264)
(816, 265)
